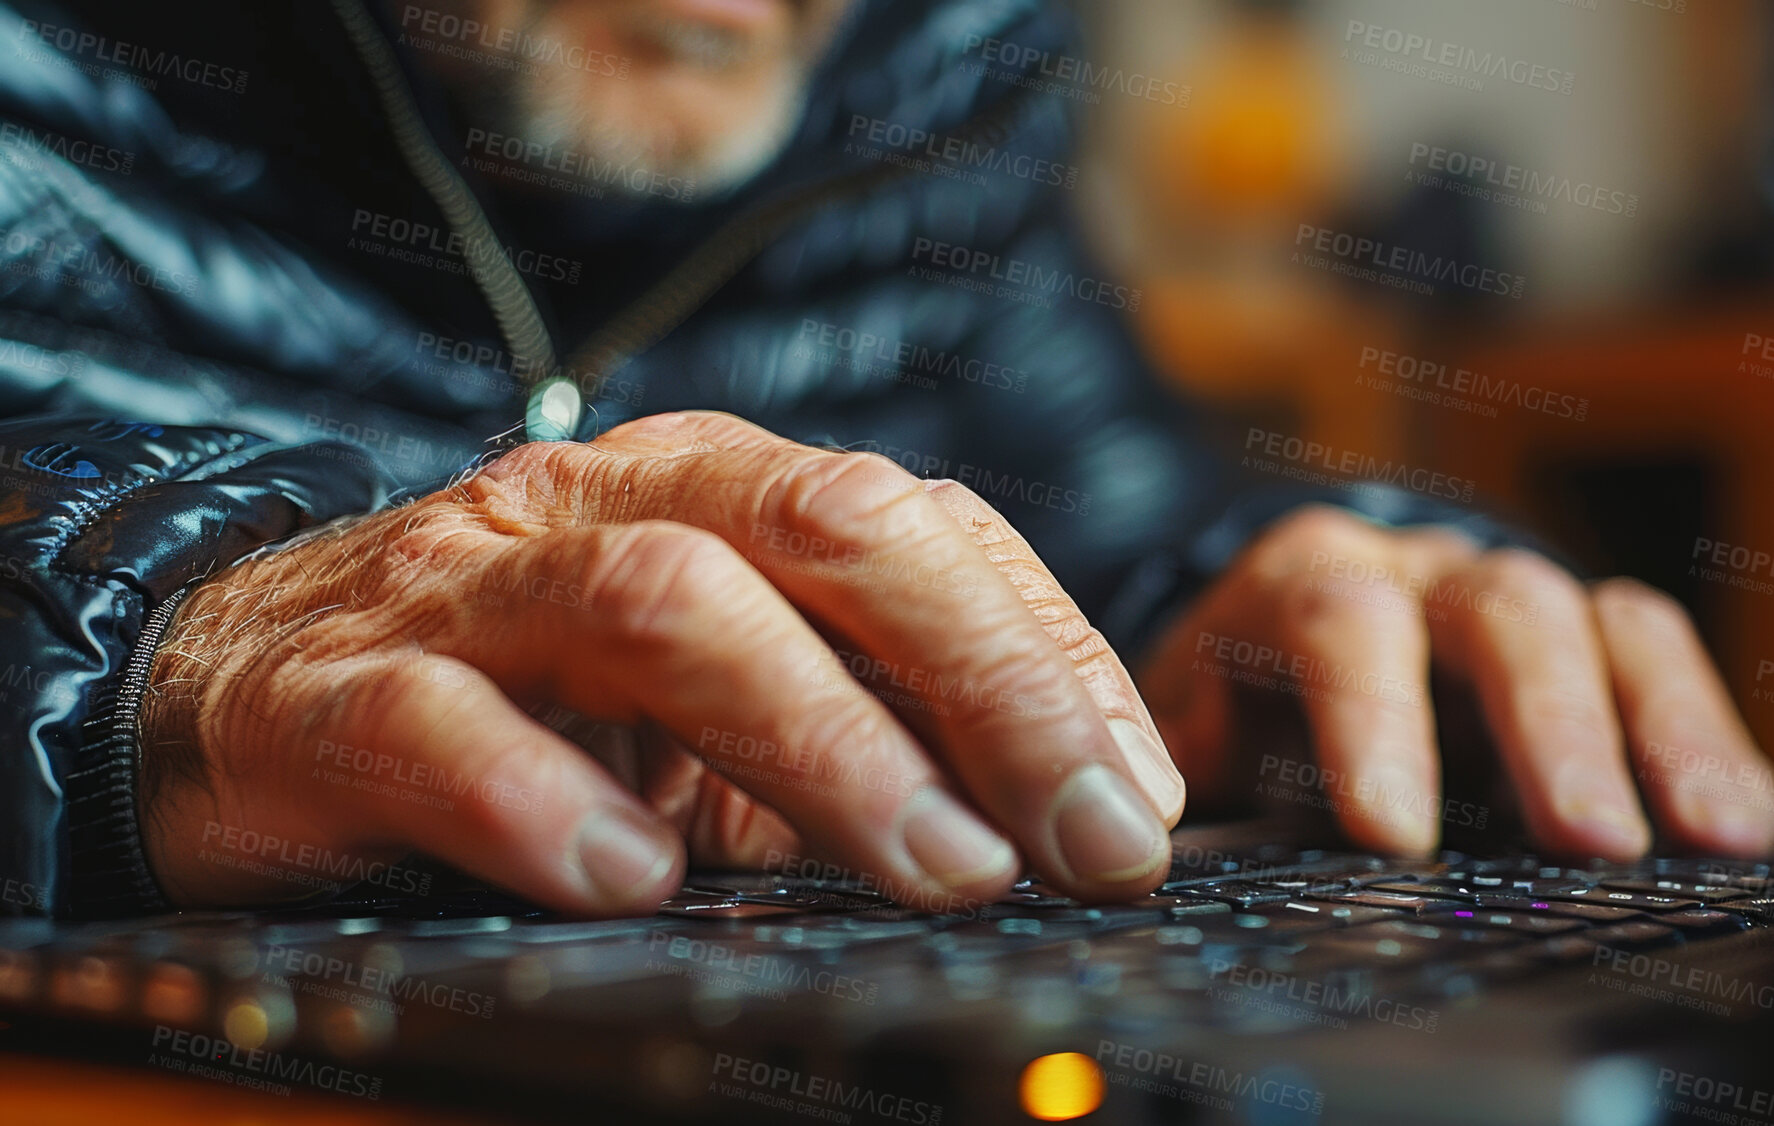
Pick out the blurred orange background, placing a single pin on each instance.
(1630, 191)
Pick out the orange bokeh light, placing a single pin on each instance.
(1062, 1086)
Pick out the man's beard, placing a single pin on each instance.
(633, 133)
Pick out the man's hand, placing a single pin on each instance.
(733, 597)
(1582, 689)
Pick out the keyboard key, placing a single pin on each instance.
(1394, 900)
(1435, 900)
(1684, 889)
(1755, 878)
(1297, 916)
(1761, 910)
(1191, 909)
(1039, 900)
(1033, 890)
(1461, 866)
(1521, 922)
(1615, 897)
(1242, 893)
(1538, 886)
(710, 908)
(1700, 922)
(811, 899)
(1593, 912)
(1438, 888)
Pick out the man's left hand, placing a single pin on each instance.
(1583, 688)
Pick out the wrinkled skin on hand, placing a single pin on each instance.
(722, 600)
(770, 649)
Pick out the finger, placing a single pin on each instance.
(1709, 788)
(724, 826)
(721, 824)
(1352, 625)
(667, 623)
(449, 765)
(1014, 722)
(1193, 704)
(1096, 664)
(854, 541)
(1523, 632)
(1361, 671)
(1327, 608)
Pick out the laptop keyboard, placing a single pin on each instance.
(1277, 941)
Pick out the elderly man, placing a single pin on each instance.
(838, 448)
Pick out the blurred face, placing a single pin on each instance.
(707, 90)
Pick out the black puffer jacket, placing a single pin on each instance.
(210, 229)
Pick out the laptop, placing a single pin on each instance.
(1270, 980)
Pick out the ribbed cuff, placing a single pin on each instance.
(108, 871)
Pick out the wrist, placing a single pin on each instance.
(223, 635)
(166, 724)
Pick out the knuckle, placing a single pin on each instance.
(664, 421)
(438, 571)
(1314, 611)
(829, 731)
(443, 672)
(1052, 685)
(395, 696)
(427, 557)
(535, 459)
(1315, 527)
(1547, 708)
(647, 581)
(849, 499)
(1319, 524)
(532, 481)
(669, 422)
(1516, 569)
(1443, 540)
(1641, 604)
(687, 429)
(720, 424)
(889, 471)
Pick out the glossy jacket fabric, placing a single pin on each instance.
(229, 310)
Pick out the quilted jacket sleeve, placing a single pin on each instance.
(104, 525)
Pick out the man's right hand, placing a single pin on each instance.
(731, 595)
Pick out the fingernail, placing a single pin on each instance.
(1594, 805)
(1621, 832)
(620, 855)
(951, 843)
(1151, 767)
(1614, 829)
(1736, 820)
(1107, 833)
(1400, 802)
(1743, 830)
